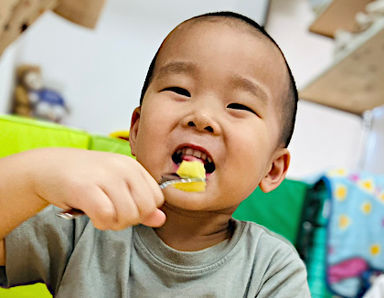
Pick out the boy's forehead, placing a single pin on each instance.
(193, 29)
(185, 30)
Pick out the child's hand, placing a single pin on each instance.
(114, 190)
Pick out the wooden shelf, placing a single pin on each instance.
(339, 14)
(355, 82)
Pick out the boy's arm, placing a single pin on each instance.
(2, 253)
(18, 201)
(114, 190)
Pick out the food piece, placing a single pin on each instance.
(191, 169)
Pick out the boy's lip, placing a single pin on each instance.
(194, 147)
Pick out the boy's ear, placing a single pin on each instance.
(277, 170)
(135, 119)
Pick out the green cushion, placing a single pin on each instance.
(37, 290)
(102, 143)
(278, 210)
(18, 134)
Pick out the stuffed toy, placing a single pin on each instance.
(32, 99)
(22, 104)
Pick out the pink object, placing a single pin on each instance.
(354, 177)
(346, 269)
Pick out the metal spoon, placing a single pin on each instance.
(166, 180)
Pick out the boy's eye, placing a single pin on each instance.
(238, 106)
(178, 90)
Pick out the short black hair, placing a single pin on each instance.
(289, 106)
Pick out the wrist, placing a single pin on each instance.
(31, 176)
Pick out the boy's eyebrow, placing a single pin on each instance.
(248, 85)
(238, 81)
(176, 67)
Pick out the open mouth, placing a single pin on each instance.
(190, 154)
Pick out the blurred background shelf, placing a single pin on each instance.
(355, 81)
(338, 14)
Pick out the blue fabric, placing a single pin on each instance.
(50, 96)
(355, 231)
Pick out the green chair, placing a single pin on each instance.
(279, 210)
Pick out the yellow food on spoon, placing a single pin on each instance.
(191, 169)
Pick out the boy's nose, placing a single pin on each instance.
(202, 122)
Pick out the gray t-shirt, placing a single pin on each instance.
(76, 260)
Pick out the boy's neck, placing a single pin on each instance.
(192, 231)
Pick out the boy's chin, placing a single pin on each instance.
(193, 201)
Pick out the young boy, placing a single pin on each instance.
(218, 91)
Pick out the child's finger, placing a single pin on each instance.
(155, 219)
(127, 212)
(152, 184)
(145, 197)
(99, 208)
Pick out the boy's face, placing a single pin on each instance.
(213, 96)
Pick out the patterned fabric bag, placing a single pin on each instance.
(355, 246)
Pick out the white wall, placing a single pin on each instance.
(324, 138)
(7, 66)
(100, 72)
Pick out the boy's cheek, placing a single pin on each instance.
(154, 159)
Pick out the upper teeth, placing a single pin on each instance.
(195, 153)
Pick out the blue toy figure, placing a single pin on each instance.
(47, 104)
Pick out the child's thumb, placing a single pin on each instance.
(155, 219)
